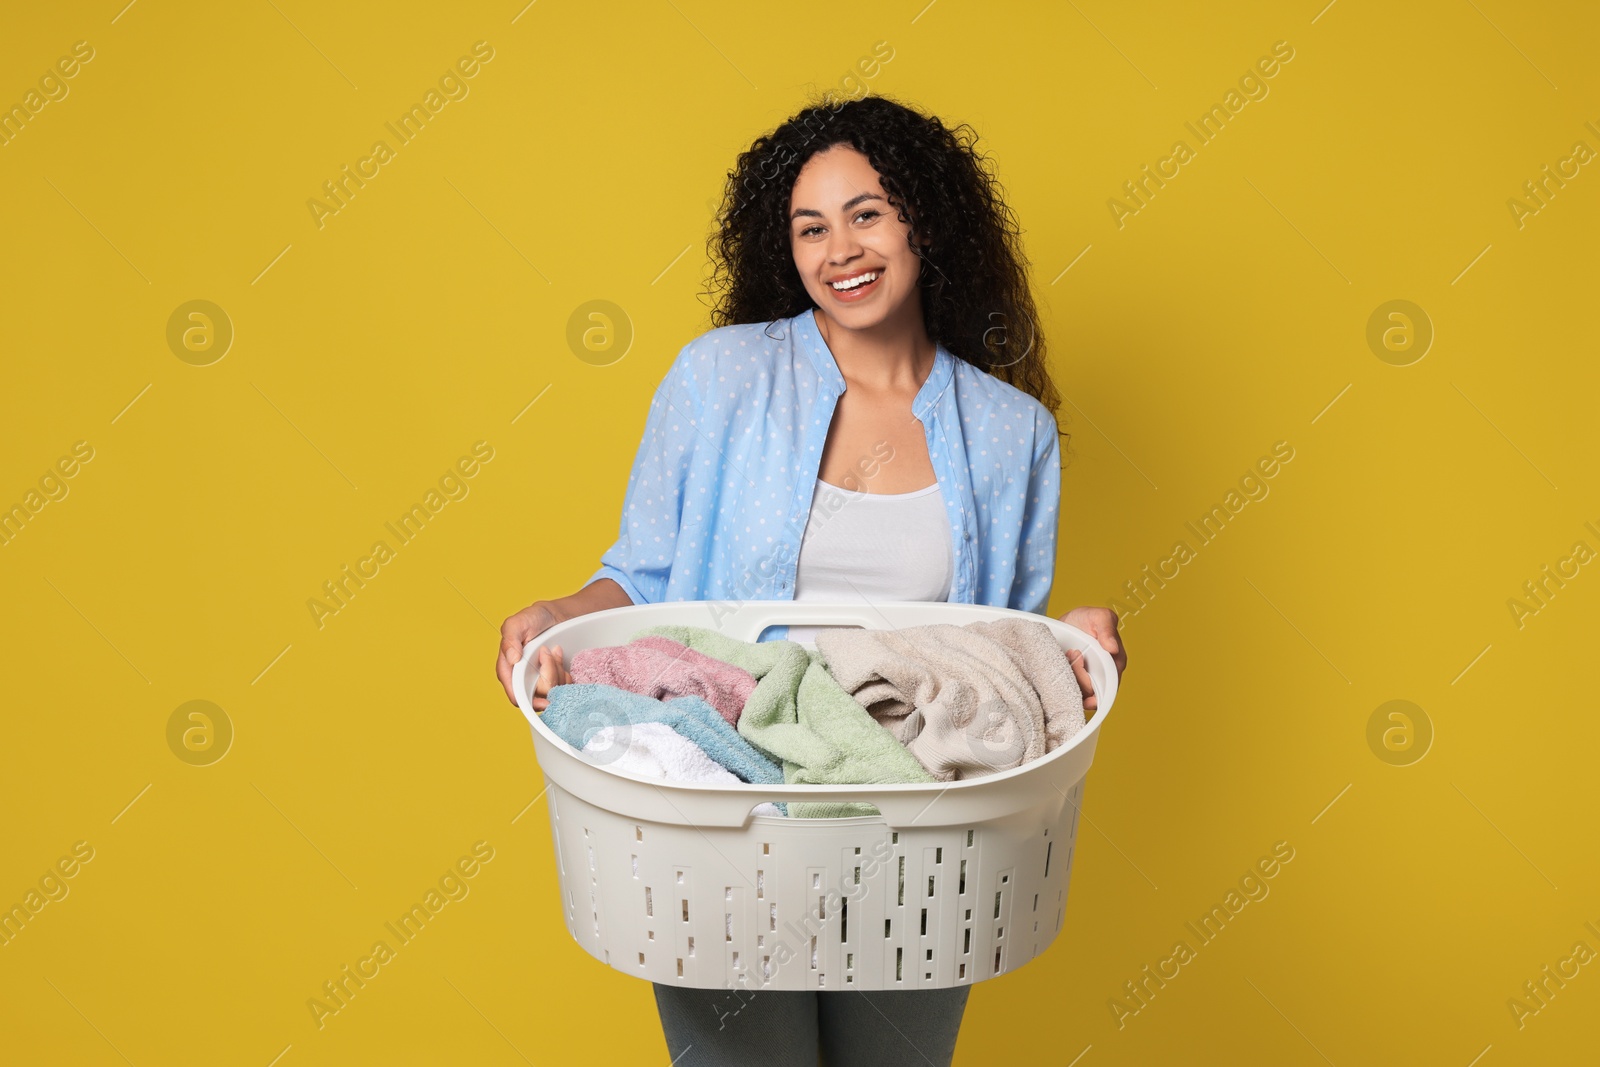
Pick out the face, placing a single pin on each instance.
(841, 225)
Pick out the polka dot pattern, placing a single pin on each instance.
(721, 487)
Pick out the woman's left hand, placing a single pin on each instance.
(1101, 624)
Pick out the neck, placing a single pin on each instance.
(894, 355)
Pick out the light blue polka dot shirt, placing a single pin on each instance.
(721, 488)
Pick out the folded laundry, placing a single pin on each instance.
(965, 700)
(579, 709)
(660, 667)
(799, 713)
(656, 750)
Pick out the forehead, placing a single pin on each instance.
(833, 176)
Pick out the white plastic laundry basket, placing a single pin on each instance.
(681, 884)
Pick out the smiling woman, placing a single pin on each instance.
(839, 335)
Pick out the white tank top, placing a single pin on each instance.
(861, 547)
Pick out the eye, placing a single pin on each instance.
(870, 213)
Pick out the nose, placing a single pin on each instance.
(843, 246)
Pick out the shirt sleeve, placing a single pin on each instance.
(1041, 517)
(640, 560)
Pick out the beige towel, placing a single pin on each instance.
(965, 700)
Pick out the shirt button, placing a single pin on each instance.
(969, 537)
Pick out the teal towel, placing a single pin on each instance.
(800, 714)
(578, 710)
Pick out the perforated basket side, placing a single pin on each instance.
(813, 904)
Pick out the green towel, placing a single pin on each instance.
(801, 715)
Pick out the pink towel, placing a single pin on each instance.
(660, 667)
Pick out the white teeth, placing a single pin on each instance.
(851, 283)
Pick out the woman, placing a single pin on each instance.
(874, 326)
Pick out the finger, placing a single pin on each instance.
(1111, 641)
(533, 671)
(1085, 682)
(541, 681)
(503, 673)
(511, 689)
(1090, 701)
(509, 655)
(547, 670)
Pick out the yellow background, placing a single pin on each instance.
(370, 353)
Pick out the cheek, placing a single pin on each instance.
(806, 263)
(904, 260)
(898, 246)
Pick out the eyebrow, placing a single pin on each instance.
(848, 204)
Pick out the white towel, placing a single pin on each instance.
(656, 750)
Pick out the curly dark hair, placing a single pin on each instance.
(939, 184)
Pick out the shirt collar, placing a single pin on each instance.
(805, 326)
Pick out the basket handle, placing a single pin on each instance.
(750, 618)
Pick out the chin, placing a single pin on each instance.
(852, 320)
(855, 317)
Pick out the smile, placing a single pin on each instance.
(856, 287)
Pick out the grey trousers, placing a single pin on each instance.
(786, 1028)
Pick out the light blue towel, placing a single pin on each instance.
(578, 710)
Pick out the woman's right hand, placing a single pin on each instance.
(515, 633)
